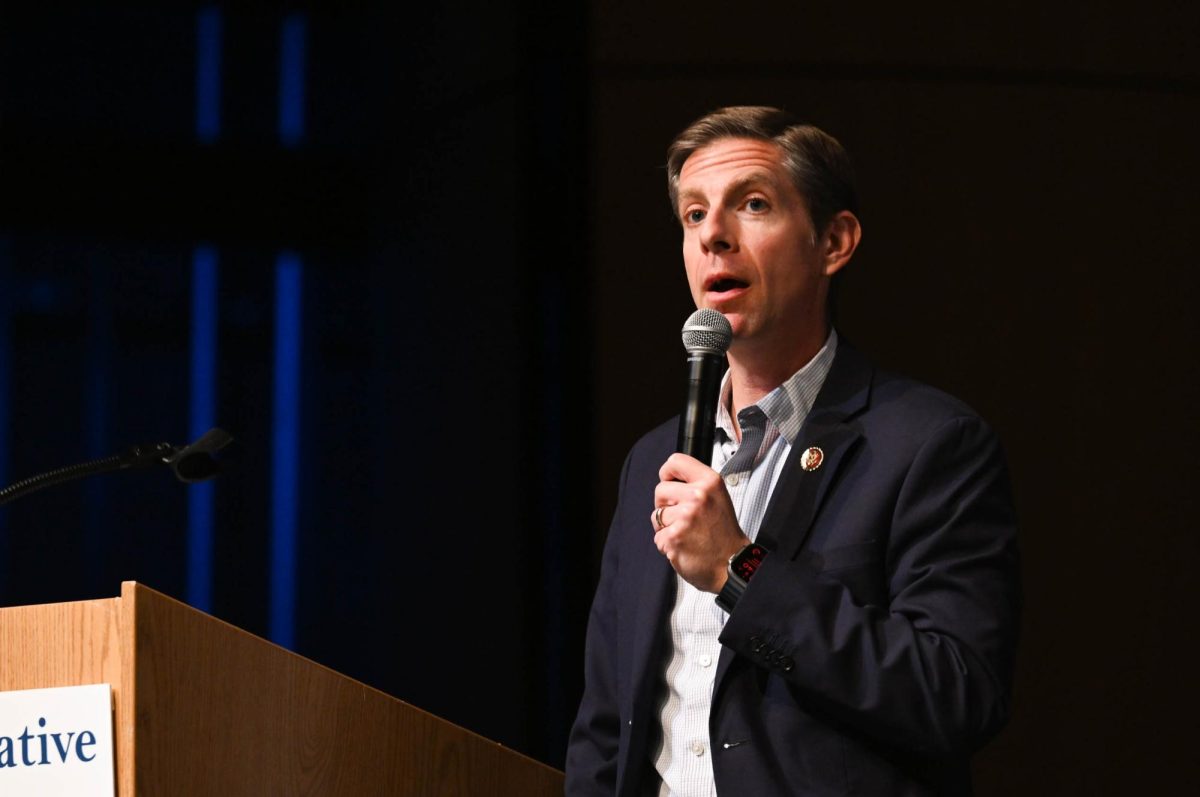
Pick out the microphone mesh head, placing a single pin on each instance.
(706, 330)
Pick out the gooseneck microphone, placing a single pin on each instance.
(190, 463)
(706, 337)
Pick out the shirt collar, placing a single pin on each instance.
(787, 405)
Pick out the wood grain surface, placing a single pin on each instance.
(72, 644)
(204, 708)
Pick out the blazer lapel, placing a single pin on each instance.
(799, 493)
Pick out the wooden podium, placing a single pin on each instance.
(204, 708)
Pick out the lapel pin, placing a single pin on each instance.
(812, 458)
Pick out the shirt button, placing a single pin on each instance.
(705, 660)
(698, 747)
(733, 479)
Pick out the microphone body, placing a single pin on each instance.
(706, 337)
(697, 425)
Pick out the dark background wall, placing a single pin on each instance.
(472, 201)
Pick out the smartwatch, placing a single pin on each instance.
(742, 566)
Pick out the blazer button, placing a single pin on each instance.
(787, 664)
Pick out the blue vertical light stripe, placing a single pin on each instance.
(202, 417)
(202, 412)
(292, 45)
(285, 471)
(208, 74)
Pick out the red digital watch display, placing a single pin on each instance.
(742, 566)
(747, 561)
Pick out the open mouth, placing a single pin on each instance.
(726, 284)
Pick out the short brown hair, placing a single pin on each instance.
(820, 168)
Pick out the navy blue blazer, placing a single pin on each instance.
(872, 652)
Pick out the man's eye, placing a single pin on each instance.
(694, 216)
(756, 205)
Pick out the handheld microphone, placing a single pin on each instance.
(706, 337)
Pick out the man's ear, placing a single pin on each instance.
(841, 238)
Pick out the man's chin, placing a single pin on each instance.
(737, 322)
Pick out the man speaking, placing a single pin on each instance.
(829, 604)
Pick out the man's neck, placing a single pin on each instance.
(754, 374)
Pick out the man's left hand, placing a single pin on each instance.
(699, 530)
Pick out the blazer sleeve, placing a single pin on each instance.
(928, 669)
(594, 742)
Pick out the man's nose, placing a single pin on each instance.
(717, 235)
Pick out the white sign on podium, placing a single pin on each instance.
(57, 742)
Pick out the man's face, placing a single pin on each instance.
(749, 246)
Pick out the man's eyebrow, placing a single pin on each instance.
(753, 180)
(739, 186)
(689, 194)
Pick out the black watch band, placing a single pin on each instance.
(742, 566)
